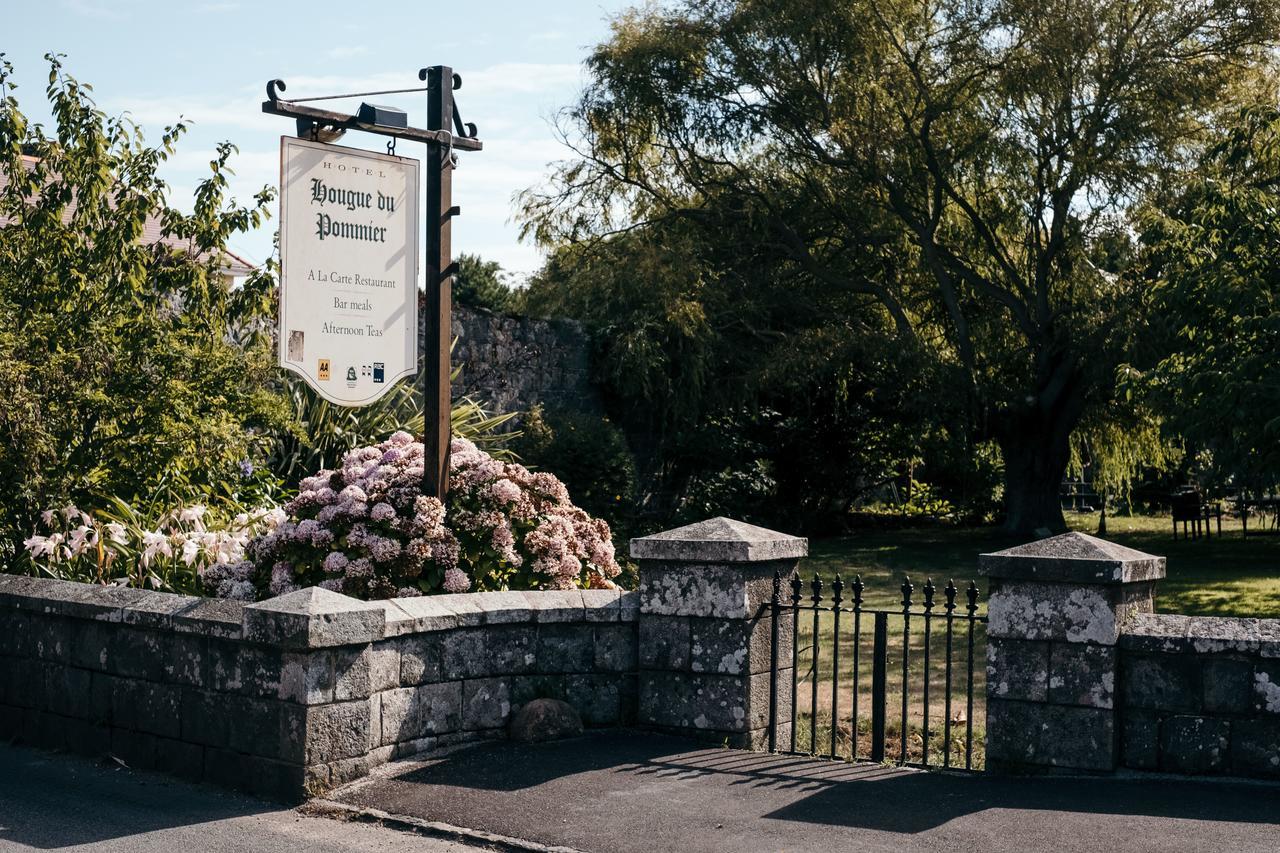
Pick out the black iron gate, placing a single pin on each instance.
(920, 636)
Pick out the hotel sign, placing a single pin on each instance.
(348, 269)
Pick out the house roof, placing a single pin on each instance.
(152, 232)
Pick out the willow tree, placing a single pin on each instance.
(954, 165)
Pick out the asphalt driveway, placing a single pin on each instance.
(59, 802)
(628, 791)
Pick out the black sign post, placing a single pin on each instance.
(439, 279)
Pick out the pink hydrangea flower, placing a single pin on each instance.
(456, 580)
(366, 529)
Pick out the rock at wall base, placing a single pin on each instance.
(543, 720)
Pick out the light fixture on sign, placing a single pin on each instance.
(382, 116)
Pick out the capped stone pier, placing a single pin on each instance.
(1057, 608)
(705, 629)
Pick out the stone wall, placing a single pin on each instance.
(1201, 695)
(510, 363)
(706, 635)
(298, 693)
(292, 695)
(1084, 676)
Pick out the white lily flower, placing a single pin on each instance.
(193, 515)
(38, 546)
(82, 538)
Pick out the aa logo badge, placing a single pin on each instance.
(324, 369)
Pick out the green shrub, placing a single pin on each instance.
(590, 456)
(126, 368)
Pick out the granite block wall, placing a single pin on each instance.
(1084, 677)
(1200, 696)
(290, 696)
(510, 363)
(706, 635)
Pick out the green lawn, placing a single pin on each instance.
(1231, 576)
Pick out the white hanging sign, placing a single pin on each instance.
(348, 269)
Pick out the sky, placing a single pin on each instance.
(208, 62)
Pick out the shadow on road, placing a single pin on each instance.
(49, 801)
(802, 790)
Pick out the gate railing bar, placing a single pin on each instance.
(773, 663)
(879, 680)
(857, 644)
(906, 656)
(813, 700)
(837, 587)
(950, 593)
(795, 653)
(928, 617)
(972, 594)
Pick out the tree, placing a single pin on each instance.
(1212, 259)
(483, 284)
(960, 168)
(126, 368)
(743, 388)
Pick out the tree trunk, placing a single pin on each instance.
(1033, 470)
(1036, 455)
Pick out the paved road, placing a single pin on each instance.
(624, 792)
(54, 802)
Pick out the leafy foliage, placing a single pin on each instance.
(588, 453)
(1212, 257)
(136, 377)
(962, 174)
(747, 389)
(117, 369)
(483, 284)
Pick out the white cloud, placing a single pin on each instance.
(244, 113)
(523, 78)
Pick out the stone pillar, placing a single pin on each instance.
(1056, 609)
(706, 630)
(324, 640)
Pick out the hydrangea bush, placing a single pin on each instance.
(366, 530)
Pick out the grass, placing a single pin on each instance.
(893, 741)
(814, 706)
(1223, 576)
(1230, 576)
